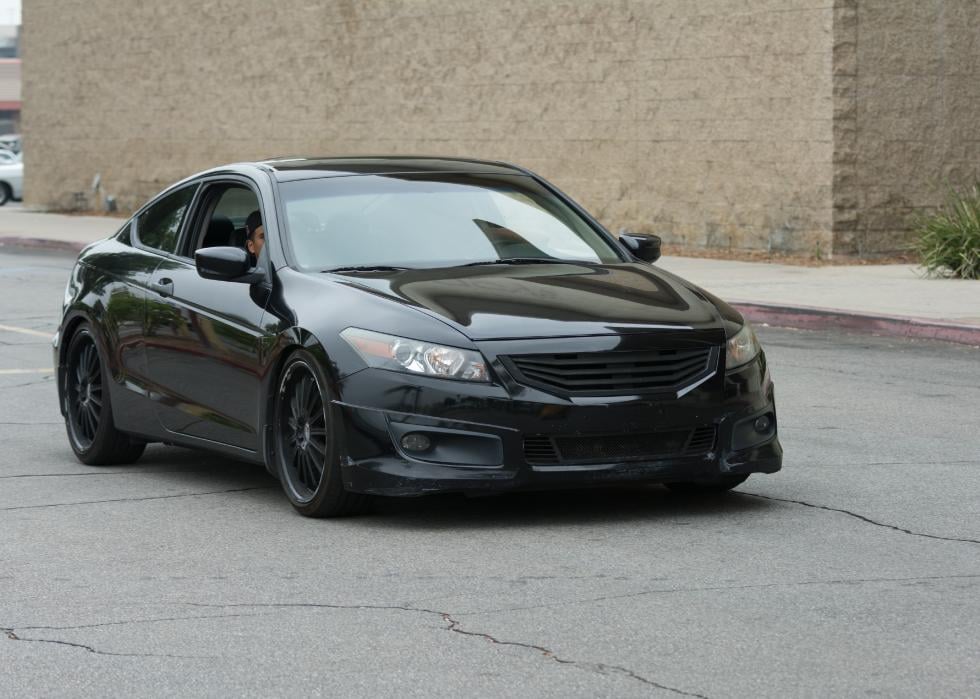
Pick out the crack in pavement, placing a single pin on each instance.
(12, 635)
(599, 668)
(717, 588)
(454, 626)
(128, 622)
(150, 497)
(860, 517)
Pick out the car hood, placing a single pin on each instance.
(550, 300)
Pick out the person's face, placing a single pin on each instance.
(257, 240)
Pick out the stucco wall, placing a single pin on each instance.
(907, 101)
(707, 121)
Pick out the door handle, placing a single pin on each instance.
(164, 286)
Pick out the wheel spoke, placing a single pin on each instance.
(302, 393)
(311, 469)
(311, 402)
(304, 471)
(294, 406)
(89, 423)
(297, 464)
(315, 470)
(321, 449)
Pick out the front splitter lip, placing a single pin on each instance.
(393, 476)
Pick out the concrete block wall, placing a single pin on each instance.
(907, 115)
(710, 122)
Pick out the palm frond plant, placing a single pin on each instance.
(948, 241)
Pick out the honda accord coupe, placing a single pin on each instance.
(400, 326)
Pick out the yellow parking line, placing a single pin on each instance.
(26, 371)
(25, 331)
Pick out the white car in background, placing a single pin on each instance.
(11, 176)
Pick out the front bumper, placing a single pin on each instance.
(480, 434)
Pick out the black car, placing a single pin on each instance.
(411, 325)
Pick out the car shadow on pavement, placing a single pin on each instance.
(600, 505)
(580, 506)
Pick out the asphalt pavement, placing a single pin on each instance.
(853, 572)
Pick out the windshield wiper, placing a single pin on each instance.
(365, 268)
(527, 261)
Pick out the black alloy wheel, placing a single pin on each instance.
(307, 452)
(88, 409)
(84, 383)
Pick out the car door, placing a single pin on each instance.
(203, 336)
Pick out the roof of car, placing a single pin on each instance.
(303, 168)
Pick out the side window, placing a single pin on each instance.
(226, 225)
(159, 226)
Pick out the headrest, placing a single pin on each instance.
(221, 231)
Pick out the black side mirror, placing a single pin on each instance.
(645, 247)
(226, 264)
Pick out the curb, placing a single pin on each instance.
(19, 243)
(810, 318)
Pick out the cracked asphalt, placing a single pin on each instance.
(855, 571)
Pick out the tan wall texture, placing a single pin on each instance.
(710, 122)
(907, 108)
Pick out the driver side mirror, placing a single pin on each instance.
(226, 263)
(645, 247)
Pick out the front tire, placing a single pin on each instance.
(88, 407)
(6, 194)
(306, 442)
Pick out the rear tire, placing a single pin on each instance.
(5, 193)
(306, 431)
(720, 485)
(88, 407)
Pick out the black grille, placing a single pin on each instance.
(540, 450)
(611, 373)
(702, 440)
(633, 446)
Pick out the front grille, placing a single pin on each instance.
(615, 373)
(633, 446)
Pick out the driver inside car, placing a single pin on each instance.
(255, 234)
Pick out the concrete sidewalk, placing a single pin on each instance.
(892, 300)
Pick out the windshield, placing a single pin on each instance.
(432, 220)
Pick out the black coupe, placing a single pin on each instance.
(410, 325)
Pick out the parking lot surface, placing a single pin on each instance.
(853, 572)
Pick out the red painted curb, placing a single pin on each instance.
(69, 246)
(809, 318)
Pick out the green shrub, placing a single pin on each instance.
(948, 242)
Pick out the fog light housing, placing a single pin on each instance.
(762, 424)
(416, 441)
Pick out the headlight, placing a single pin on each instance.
(416, 357)
(743, 346)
